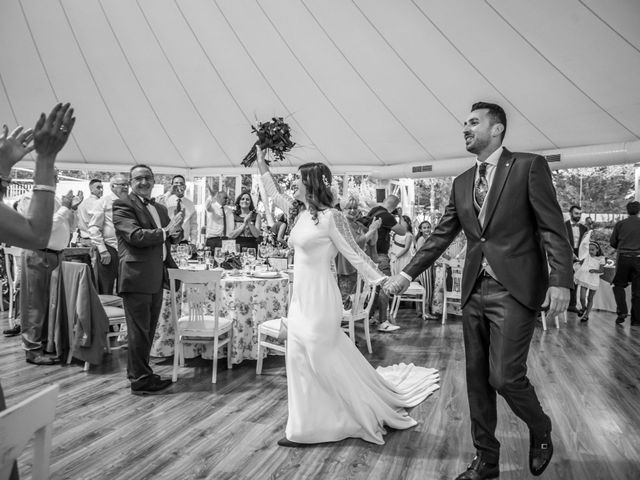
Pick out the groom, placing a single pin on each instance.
(506, 205)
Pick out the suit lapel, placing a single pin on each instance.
(467, 186)
(143, 210)
(500, 177)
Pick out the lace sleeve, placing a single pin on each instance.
(342, 238)
(281, 200)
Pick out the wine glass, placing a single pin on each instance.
(200, 254)
(207, 256)
(251, 256)
(218, 255)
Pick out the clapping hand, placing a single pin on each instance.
(14, 146)
(51, 132)
(72, 201)
(375, 225)
(175, 225)
(396, 285)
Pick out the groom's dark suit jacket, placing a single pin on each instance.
(140, 241)
(523, 220)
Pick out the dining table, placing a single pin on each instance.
(248, 298)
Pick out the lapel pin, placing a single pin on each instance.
(506, 164)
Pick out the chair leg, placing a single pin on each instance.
(444, 308)
(181, 354)
(367, 335)
(352, 330)
(261, 337)
(557, 321)
(176, 359)
(229, 344)
(215, 360)
(544, 320)
(86, 367)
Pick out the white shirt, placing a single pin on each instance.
(101, 229)
(216, 220)
(64, 222)
(190, 224)
(84, 214)
(576, 234)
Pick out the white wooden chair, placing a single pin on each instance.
(114, 309)
(197, 326)
(415, 293)
(360, 310)
(271, 328)
(455, 294)
(11, 258)
(33, 416)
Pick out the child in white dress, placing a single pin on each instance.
(587, 278)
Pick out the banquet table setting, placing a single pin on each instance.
(250, 296)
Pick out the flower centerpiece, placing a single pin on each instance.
(273, 136)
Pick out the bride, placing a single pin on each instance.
(333, 391)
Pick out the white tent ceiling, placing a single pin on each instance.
(364, 84)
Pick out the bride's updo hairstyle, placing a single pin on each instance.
(316, 178)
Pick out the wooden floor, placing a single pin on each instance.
(587, 376)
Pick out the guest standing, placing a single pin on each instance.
(218, 217)
(506, 204)
(144, 232)
(35, 279)
(625, 238)
(246, 222)
(103, 234)
(32, 230)
(96, 190)
(176, 201)
(575, 234)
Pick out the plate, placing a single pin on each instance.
(266, 274)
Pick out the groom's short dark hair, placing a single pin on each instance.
(496, 113)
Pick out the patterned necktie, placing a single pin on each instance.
(482, 186)
(179, 205)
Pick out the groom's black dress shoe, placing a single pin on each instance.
(540, 452)
(479, 470)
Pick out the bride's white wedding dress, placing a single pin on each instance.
(333, 391)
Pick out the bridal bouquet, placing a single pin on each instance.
(274, 136)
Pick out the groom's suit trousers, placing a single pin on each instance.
(497, 332)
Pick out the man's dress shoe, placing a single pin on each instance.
(39, 358)
(13, 331)
(479, 470)
(540, 452)
(151, 385)
(620, 319)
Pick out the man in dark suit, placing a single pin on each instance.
(506, 204)
(144, 234)
(575, 234)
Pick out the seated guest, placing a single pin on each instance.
(175, 201)
(364, 237)
(103, 234)
(33, 229)
(84, 211)
(35, 281)
(219, 214)
(246, 222)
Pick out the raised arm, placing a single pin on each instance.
(50, 134)
(342, 238)
(281, 200)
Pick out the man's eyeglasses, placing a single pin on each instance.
(148, 178)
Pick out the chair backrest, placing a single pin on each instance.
(19, 423)
(363, 298)
(196, 286)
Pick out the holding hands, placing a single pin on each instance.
(395, 285)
